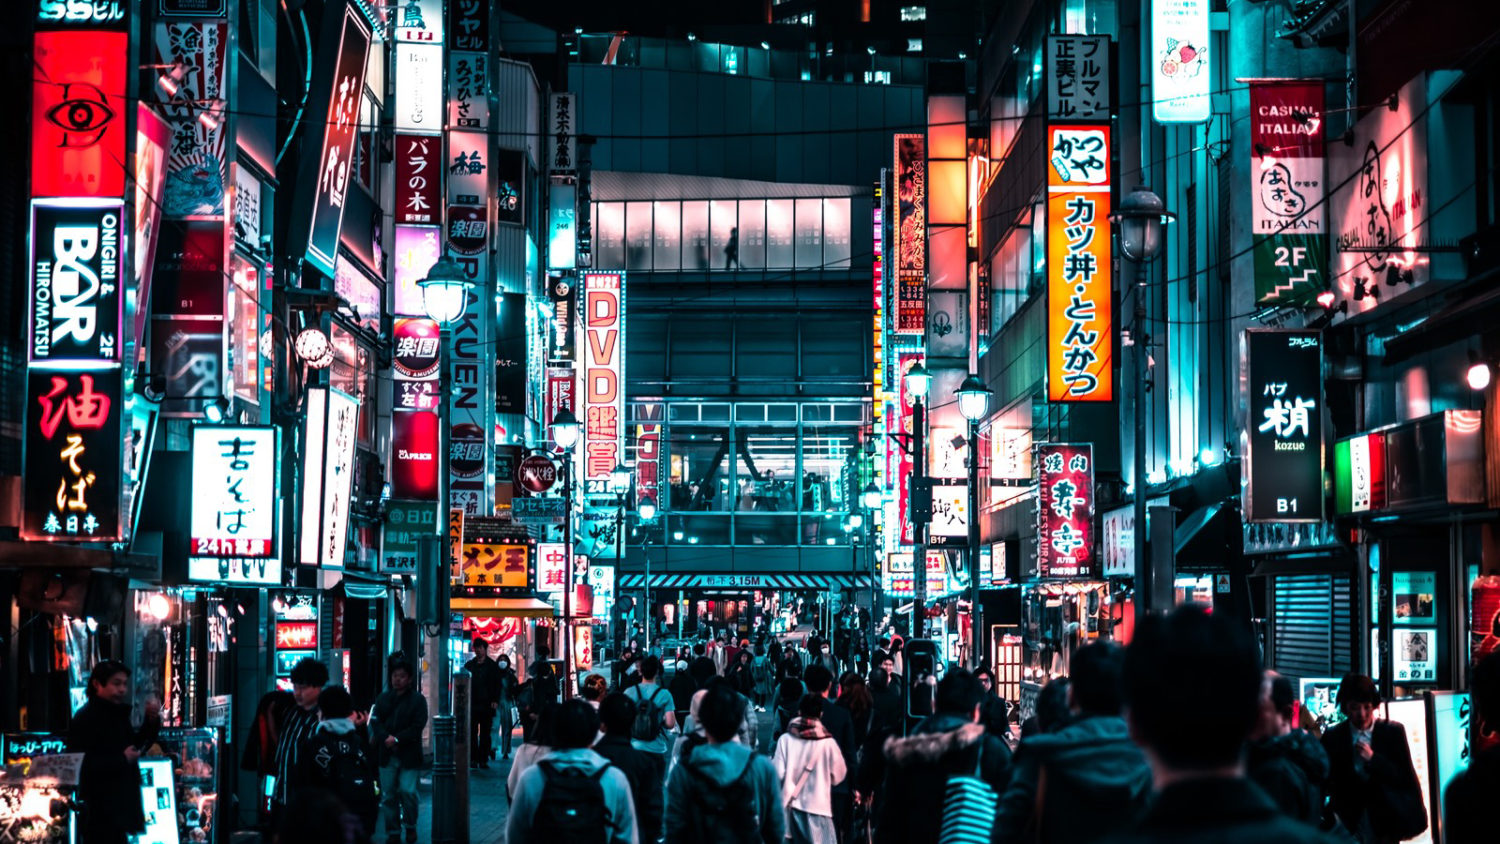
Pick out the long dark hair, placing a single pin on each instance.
(855, 696)
(104, 672)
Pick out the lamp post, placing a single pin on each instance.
(646, 510)
(445, 296)
(565, 434)
(1140, 219)
(974, 403)
(870, 500)
(619, 483)
(918, 382)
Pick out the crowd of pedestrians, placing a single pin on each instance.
(1179, 737)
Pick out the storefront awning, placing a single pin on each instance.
(747, 581)
(501, 607)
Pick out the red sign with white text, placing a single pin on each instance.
(296, 635)
(603, 396)
(561, 387)
(414, 447)
(419, 181)
(1065, 510)
(648, 452)
(78, 114)
(902, 426)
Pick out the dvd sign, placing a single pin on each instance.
(75, 282)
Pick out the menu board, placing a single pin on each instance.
(191, 760)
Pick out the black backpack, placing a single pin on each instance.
(648, 716)
(571, 810)
(350, 775)
(722, 814)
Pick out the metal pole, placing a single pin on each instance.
(620, 563)
(919, 525)
(1143, 573)
(976, 614)
(567, 620)
(444, 730)
(646, 552)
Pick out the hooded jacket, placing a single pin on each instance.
(1292, 770)
(807, 752)
(617, 799)
(1092, 778)
(943, 745)
(1217, 811)
(722, 764)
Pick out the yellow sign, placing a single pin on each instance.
(494, 564)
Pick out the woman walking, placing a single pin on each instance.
(809, 765)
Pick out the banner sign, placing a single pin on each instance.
(471, 408)
(602, 583)
(648, 422)
(233, 509)
(151, 139)
(419, 88)
(328, 473)
(468, 25)
(1287, 212)
(496, 564)
(1284, 470)
(405, 523)
(909, 242)
(562, 232)
(1080, 292)
(902, 422)
(538, 512)
(73, 456)
(562, 143)
(511, 346)
(1078, 79)
(414, 363)
(1180, 78)
(419, 178)
(1359, 474)
(417, 249)
(563, 291)
(897, 578)
(82, 14)
(78, 114)
(194, 108)
(603, 393)
(76, 264)
(597, 534)
(1065, 510)
(331, 179)
(551, 567)
(468, 80)
(950, 515)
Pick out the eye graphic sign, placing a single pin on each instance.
(78, 114)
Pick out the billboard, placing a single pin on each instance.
(78, 114)
(1065, 510)
(1080, 293)
(1180, 78)
(562, 290)
(76, 286)
(419, 179)
(909, 242)
(417, 249)
(414, 363)
(496, 564)
(562, 141)
(1287, 213)
(405, 522)
(1284, 467)
(469, 25)
(603, 388)
(419, 21)
(511, 346)
(468, 80)
(551, 569)
(331, 179)
(414, 448)
(73, 456)
(648, 422)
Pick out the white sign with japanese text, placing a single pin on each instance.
(1180, 78)
(551, 569)
(1078, 83)
(233, 511)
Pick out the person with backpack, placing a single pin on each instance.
(1082, 782)
(809, 764)
(643, 770)
(944, 778)
(396, 725)
(338, 760)
(722, 792)
(654, 711)
(573, 796)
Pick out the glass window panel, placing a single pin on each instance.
(698, 529)
(695, 248)
(828, 451)
(809, 246)
(609, 236)
(722, 218)
(765, 482)
(697, 456)
(836, 234)
(668, 251)
(638, 236)
(753, 234)
(779, 250)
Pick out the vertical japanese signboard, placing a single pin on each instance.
(234, 517)
(902, 422)
(330, 181)
(649, 416)
(417, 249)
(562, 290)
(1288, 215)
(197, 159)
(1065, 510)
(419, 21)
(327, 475)
(1179, 60)
(468, 81)
(909, 234)
(603, 387)
(468, 25)
(76, 266)
(419, 88)
(551, 569)
(72, 472)
(562, 141)
(419, 180)
(511, 346)
(1284, 470)
(1080, 293)
(562, 387)
(1078, 78)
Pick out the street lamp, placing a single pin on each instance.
(1140, 219)
(619, 484)
(565, 434)
(445, 296)
(870, 496)
(870, 499)
(974, 403)
(918, 382)
(646, 511)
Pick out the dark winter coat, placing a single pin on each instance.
(919, 766)
(484, 684)
(1217, 811)
(1292, 770)
(1469, 802)
(1372, 805)
(337, 747)
(402, 716)
(1093, 781)
(109, 784)
(646, 773)
(840, 724)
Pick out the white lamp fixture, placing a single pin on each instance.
(973, 398)
(1140, 217)
(314, 349)
(918, 382)
(870, 496)
(646, 510)
(565, 429)
(445, 291)
(619, 478)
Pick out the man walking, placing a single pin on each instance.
(339, 761)
(396, 731)
(573, 794)
(1288, 764)
(309, 676)
(1192, 690)
(1086, 780)
(722, 790)
(654, 711)
(1374, 788)
(485, 702)
(642, 770)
